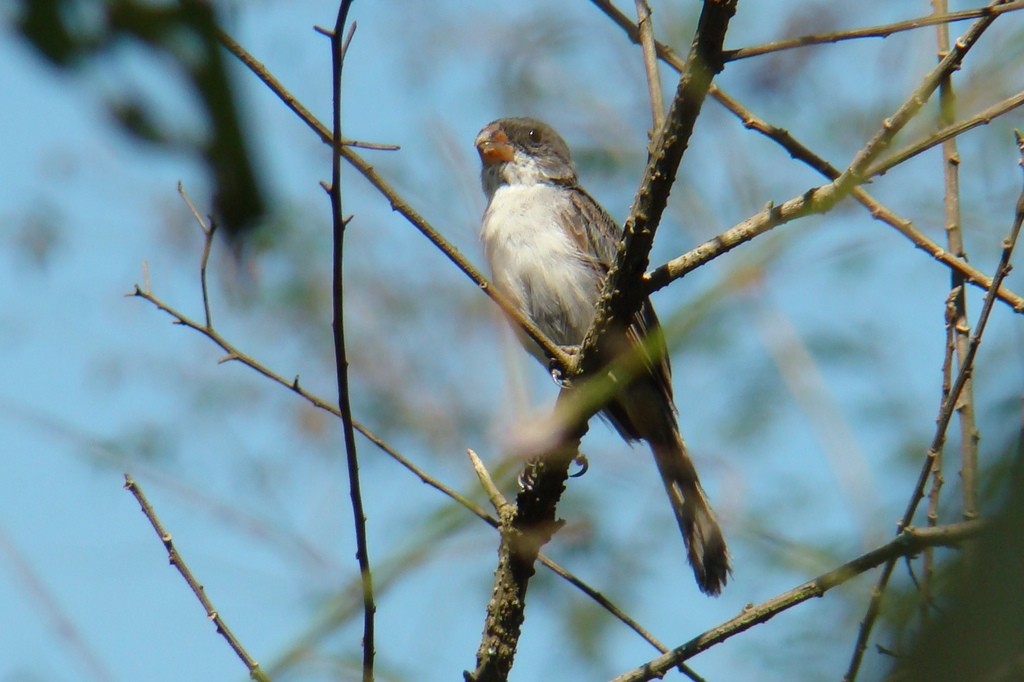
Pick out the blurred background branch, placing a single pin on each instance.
(117, 101)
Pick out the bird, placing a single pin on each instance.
(549, 246)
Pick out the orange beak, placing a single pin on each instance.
(493, 145)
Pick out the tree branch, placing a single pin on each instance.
(397, 202)
(961, 326)
(197, 589)
(881, 31)
(657, 100)
(948, 132)
(233, 353)
(621, 297)
(949, 404)
(339, 45)
(910, 541)
(665, 274)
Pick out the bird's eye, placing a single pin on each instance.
(534, 135)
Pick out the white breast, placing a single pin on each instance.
(536, 264)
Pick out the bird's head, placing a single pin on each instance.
(523, 151)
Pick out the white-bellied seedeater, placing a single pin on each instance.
(550, 245)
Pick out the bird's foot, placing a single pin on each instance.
(557, 375)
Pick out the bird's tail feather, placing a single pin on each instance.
(705, 543)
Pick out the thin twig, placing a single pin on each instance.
(948, 132)
(665, 274)
(498, 500)
(657, 100)
(881, 31)
(932, 514)
(878, 211)
(908, 542)
(942, 423)
(197, 589)
(855, 173)
(379, 146)
(969, 434)
(208, 232)
(956, 301)
(338, 222)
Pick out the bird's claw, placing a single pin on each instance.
(584, 464)
(556, 371)
(526, 478)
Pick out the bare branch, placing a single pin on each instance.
(855, 173)
(208, 232)
(197, 589)
(956, 302)
(665, 274)
(948, 132)
(657, 100)
(620, 300)
(969, 434)
(881, 31)
(235, 354)
(339, 46)
(530, 527)
(942, 423)
(908, 542)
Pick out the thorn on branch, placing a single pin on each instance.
(348, 40)
(493, 494)
(378, 146)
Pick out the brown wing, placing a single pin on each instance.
(598, 237)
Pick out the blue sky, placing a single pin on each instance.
(250, 482)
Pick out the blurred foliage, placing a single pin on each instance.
(973, 627)
(73, 34)
(36, 235)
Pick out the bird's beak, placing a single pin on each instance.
(493, 145)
